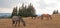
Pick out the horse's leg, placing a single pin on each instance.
(47, 17)
(22, 21)
(15, 23)
(35, 17)
(32, 17)
(50, 17)
(41, 17)
(19, 23)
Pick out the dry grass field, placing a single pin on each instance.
(36, 23)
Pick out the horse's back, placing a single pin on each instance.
(45, 15)
(15, 18)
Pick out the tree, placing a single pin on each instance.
(20, 12)
(31, 10)
(55, 12)
(14, 11)
(26, 11)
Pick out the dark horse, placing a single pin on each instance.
(46, 15)
(34, 16)
(16, 20)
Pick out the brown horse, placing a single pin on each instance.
(46, 15)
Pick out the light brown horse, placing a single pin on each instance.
(46, 15)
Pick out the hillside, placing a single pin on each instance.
(36, 23)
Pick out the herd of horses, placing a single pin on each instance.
(17, 19)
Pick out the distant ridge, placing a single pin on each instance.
(5, 14)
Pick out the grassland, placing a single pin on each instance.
(36, 23)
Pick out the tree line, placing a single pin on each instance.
(24, 11)
(55, 12)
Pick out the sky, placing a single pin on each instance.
(41, 6)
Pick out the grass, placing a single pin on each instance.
(36, 23)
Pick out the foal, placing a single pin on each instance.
(46, 15)
(16, 20)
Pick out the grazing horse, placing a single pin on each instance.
(34, 16)
(16, 20)
(46, 15)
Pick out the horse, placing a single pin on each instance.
(34, 16)
(46, 15)
(16, 20)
